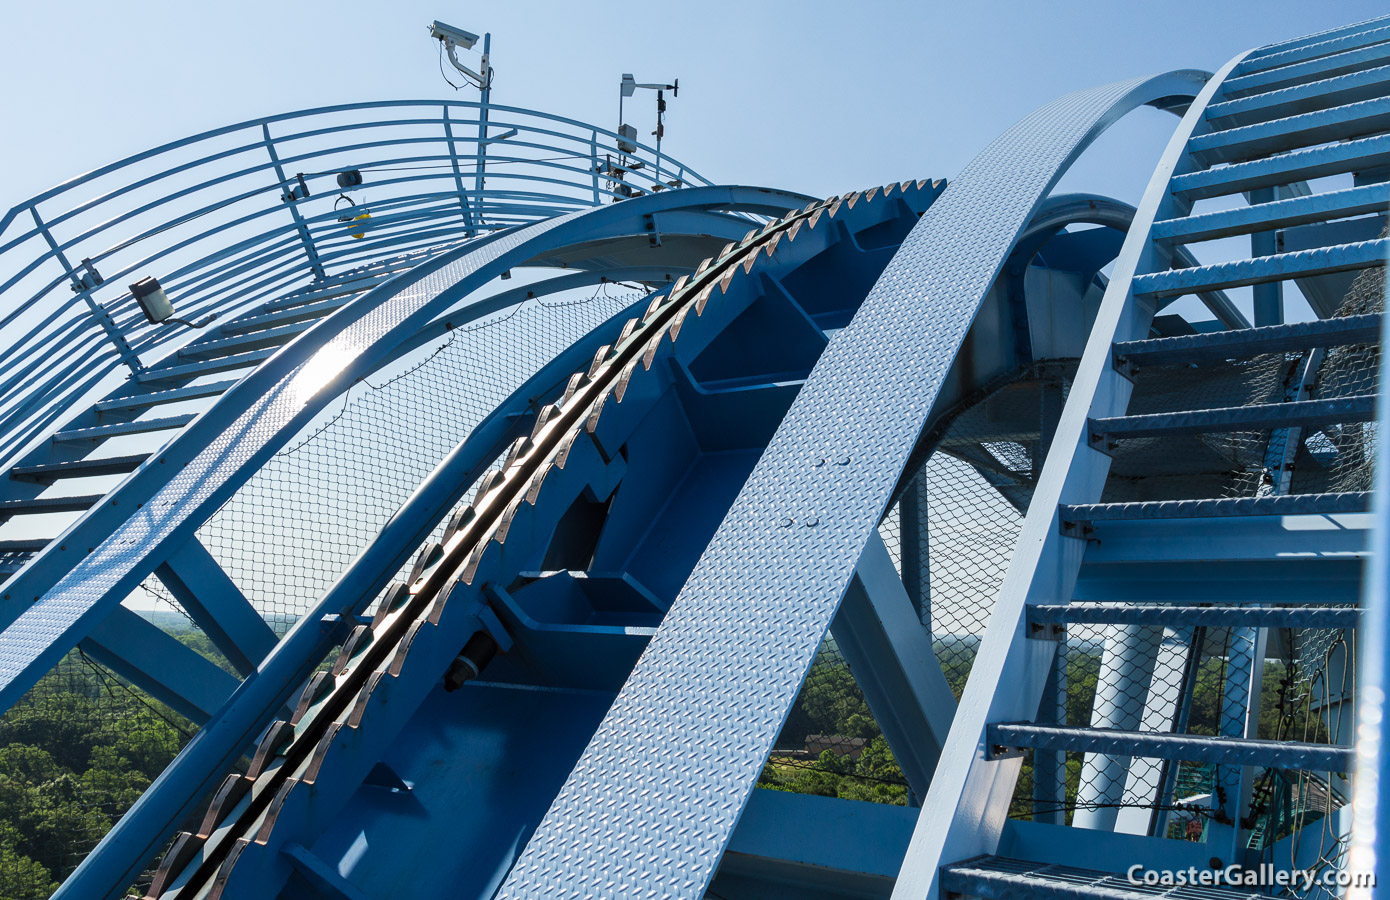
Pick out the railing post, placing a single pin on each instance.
(593, 168)
(314, 265)
(458, 174)
(480, 180)
(83, 290)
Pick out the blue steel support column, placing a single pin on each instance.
(966, 809)
(1126, 669)
(727, 662)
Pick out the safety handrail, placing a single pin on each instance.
(222, 219)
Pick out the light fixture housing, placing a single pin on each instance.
(154, 303)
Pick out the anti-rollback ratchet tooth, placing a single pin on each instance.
(728, 248)
(224, 871)
(723, 289)
(871, 192)
(571, 387)
(629, 328)
(459, 521)
(815, 217)
(395, 597)
(596, 411)
(677, 321)
(275, 739)
(358, 640)
(272, 811)
(485, 485)
(548, 412)
(514, 450)
(359, 705)
(562, 456)
(228, 795)
(654, 344)
(700, 300)
(428, 556)
(321, 750)
(599, 359)
(623, 379)
(500, 533)
(185, 847)
(313, 692)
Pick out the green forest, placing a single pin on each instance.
(75, 753)
(81, 746)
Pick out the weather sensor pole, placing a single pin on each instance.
(626, 89)
(452, 38)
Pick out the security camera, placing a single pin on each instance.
(448, 33)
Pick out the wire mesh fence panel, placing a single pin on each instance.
(288, 533)
(950, 533)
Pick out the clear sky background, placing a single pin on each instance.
(820, 97)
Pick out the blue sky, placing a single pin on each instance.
(815, 96)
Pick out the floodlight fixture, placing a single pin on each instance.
(157, 307)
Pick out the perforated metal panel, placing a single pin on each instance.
(635, 819)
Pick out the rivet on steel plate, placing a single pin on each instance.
(813, 521)
(816, 464)
(787, 521)
(842, 460)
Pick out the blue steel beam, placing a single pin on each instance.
(1171, 614)
(207, 594)
(1285, 168)
(1081, 514)
(1353, 201)
(168, 669)
(1008, 675)
(1235, 418)
(738, 604)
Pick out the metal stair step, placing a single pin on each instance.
(1261, 62)
(48, 505)
(1235, 418)
(47, 473)
(206, 367)
(254, 340)
(1264, 269)
(1284, 505)
(1300, 165)
(23, 545)
(1319, 37)
(116, 429)
(1353, 60)
(1354, 201)
(1240, 343)
(1292, 132)
(1001, 878)
(289, 314)
(1174, 614)
(1291, 101)
(1007, 738)
(350, 284)
(158, 398)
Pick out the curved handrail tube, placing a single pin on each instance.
(154, 213)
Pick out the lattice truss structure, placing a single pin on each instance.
(533, 524)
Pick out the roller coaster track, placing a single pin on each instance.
(569, 684)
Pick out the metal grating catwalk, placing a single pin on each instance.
(962, 539)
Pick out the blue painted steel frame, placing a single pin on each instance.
(141, 832)
(726, 664)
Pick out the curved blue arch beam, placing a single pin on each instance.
(725, 666)
(968, 795)
(81, 576)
